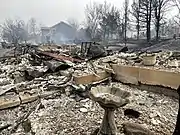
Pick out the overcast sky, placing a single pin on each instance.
(48, 12)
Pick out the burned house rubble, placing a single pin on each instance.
(49, 90)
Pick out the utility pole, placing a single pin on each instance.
(126, 19)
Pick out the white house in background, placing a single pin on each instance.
(58, 34)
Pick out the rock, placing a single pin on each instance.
(78, 98)
(155, 122)
(152, 115)
(96, 51)
(141, 102)
(18, 77)
(4, 81)
(84, 110)
(55, 66)
(82, 87)
(173, 64)
(72, 96)
(35, 72)
(136, 129)
(26, 125)
(71, 64)
(65, 73)
(132, 113)
(85, 100)
(79, 88)
(95, 132)
(155, 114)
(124, 49)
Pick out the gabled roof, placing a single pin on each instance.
(62, 23)
(57, 25)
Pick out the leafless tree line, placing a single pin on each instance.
(104, 20)
(149, 13)
(16, 31)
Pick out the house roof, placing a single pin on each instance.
(57, 25)
(62, 23)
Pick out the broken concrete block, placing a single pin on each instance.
(8, 101)
(126, 74)
(158, 77)
(26, 97)
(90, 78)
(136, 129)
(133, 75)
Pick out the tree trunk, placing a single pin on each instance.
(138, 29)
(157, 31)
(148, 32)
(104, 34)
(138, 20)
(149, 14)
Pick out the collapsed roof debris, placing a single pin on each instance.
(46, 91)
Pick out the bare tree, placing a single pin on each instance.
(120, 28)
(136, 14)
(104, 20)
(109, 21)
(93, 14)
(126, 19)
(146, 11)
(160, 7)
(14, 31)
(33, 29)
(32, 26)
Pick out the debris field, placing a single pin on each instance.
(46, 92)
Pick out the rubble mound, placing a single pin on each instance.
(169, 45)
